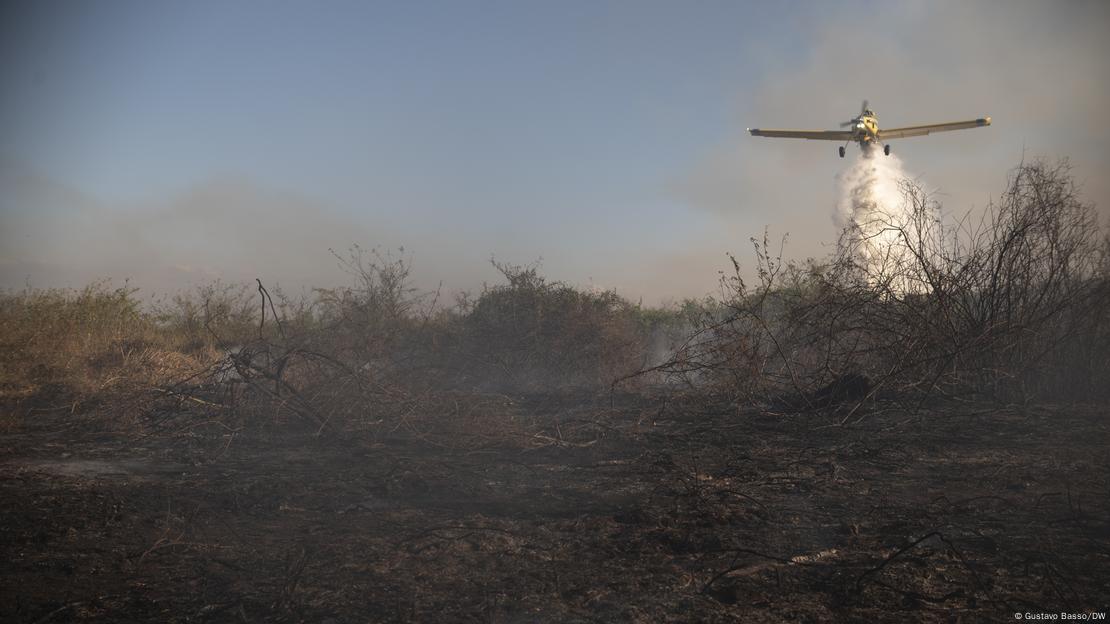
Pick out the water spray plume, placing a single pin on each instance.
(874, 211)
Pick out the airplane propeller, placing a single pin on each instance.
(862, 110)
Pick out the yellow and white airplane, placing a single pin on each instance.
(864, 130)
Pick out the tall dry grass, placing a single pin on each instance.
(75, 351)
(377, 353)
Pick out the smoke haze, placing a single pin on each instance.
(175, 143)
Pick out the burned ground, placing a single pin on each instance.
(593, 508)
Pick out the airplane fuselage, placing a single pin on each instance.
(865, 130)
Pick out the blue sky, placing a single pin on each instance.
(151, 139)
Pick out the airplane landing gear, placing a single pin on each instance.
(886, 149)
(842, 151)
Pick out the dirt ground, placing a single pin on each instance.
(626, 508)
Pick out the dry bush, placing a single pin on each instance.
(367, 356)
(212, 313)
(381, 355)
(1013, 307)
(531, 334)
(377, 354)
(70, 351)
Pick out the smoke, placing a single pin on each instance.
(875, 214)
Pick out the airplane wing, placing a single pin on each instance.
(824, 135)
(912, 131)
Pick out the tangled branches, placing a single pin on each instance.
(1013, 307)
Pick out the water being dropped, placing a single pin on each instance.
(874, 211)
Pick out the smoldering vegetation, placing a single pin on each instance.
(908, 431)
(1012, 307)
(345, 357)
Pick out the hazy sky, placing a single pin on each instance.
(172, 142)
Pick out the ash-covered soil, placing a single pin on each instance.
(627, 508)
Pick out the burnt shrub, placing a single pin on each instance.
(531, 334)
(1014, 306)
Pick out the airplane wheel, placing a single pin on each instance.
(886, 150)
(842, 151)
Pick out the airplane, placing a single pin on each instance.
(864, 129)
